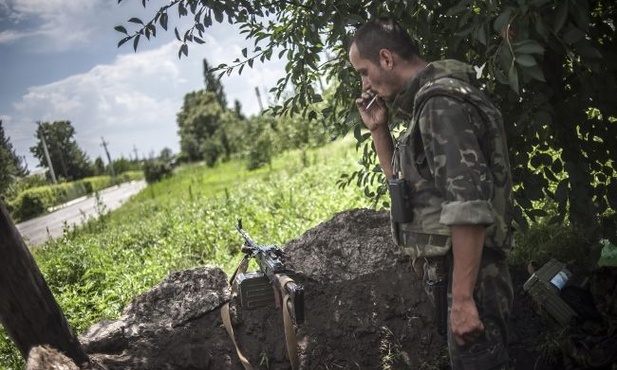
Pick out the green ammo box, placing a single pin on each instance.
(544, 286)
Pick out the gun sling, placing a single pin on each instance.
(290, 336)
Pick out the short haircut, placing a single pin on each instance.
(384, 33)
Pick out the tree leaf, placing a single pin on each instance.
(526, 60)
(184, 49)
(218, 15)
(502, 20)
(123, 41)
(136, 42)
(561, 193)
(136, 20)
(163, 21)
(480, 35)
(121, 29)
(541, 28)
(561, 15)
(357, 132)
(528, 47)
(452, 11)
(557, 166)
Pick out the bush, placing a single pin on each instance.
(156, 170)
(35, 201)
(563, 242)
(260, 153)
(32, 202)
(93, 184)
(132, 175)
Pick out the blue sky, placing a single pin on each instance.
(59, 61)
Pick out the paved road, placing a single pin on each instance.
(38, 230)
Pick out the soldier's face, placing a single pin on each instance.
(375, 77)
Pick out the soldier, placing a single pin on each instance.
(450, 185)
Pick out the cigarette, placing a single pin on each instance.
(371, 102)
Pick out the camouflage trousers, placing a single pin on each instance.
(493, 295)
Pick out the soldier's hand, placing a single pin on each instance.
(373, 115)
(465, 321)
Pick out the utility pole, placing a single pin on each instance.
(136, 154)
(111, 165)
(261, 107)
(51, 167)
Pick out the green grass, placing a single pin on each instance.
(186, 221)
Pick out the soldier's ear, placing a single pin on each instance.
(386, 59)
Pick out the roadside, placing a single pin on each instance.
(74, 213)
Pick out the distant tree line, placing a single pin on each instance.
(212, 132)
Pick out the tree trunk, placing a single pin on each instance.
(28, 310)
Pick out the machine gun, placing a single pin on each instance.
(271, 283)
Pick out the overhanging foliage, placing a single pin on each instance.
(548, 64)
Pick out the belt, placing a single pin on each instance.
(425, 239)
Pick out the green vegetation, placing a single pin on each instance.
(211, 132)
(56, 141)
(549, 65)
(188, 220)
(35, 201)
(185, 221)
(11, 165)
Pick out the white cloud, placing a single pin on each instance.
(133, 102)
(9, 36)
(60, 25)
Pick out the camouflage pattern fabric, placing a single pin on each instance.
(454, 155)
(493, 295)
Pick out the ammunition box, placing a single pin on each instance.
(544, 287)
(254, 290)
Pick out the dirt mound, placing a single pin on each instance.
(364, 309)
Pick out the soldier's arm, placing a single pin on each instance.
(467, 244)
(461, 173)
(382, 139)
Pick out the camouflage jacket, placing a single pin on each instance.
(454, 155)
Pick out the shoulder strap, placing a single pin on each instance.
(225, 315)
(291, 342)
